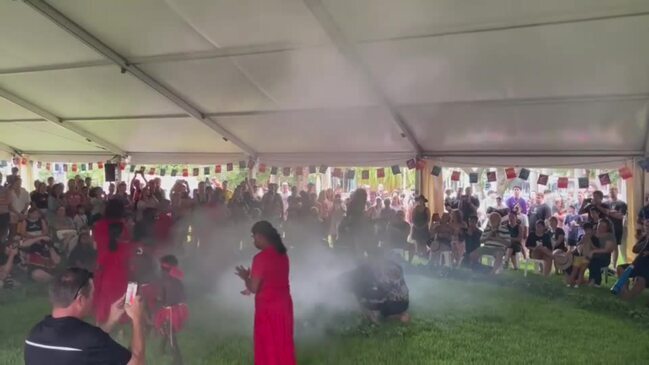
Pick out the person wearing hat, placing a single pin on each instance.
(517, 200)
(420, 231)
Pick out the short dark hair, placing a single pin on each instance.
(68, 285)
(598, 192)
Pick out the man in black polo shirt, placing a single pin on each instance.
(63, 338)
(597, 202)
(617, 213)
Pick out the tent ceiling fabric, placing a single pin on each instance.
(521, 76)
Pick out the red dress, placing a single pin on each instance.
(273, 310)
(111, 277)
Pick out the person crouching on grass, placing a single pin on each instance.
(173, 312)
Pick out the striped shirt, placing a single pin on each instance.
(501, 238)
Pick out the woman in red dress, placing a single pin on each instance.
(268, 280)
(114, 252)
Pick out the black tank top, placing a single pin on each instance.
(34, 228)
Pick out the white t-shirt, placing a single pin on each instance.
(19, 202)
(525, 222)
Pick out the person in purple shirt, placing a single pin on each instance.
(517, 200)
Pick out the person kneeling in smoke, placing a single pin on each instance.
(381, 289)
(173, 312)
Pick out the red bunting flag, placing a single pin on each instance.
(510, 172)
(455, 176)
(48, 166)
(380, 173)
(625, 173)
(262, 168)
(337, 173)
(421, 163)
(74, 167)
(217, 169)
(24, 161)
(365, 174)
(122, 166)
(100, 165)
(152, 171)
(185, 172)
(562, 183)
(298, 171)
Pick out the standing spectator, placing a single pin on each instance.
(595, 203)
(468, 204)
(18, 201)
(449, 200)
(472, 237)
(517, 200)
(572, 224)
(39, 197)
(616, 214)
(420, 231)
(539, 210)
(72, 197)
(643, 213)
(559, 211)
(50, 184)
(5, 218)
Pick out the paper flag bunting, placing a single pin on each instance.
(83, 167)
(132, 169)
(455, 176)
(57, 167)
(122, 166)
(195, 171)
(337, 173)
(351, 174)
(473, 178)
(299, 171)
(217, 169)
(48, 166)
(100, 165)
(380, 173)
(436, 170)
(3, 163)
(510, 172)
(16, 161)
(286, 171)
(491, 176)
(421, 164)
(262, 168)
(206, 171)
(242, 165)
(395, 170)
(625, 173)
(185, 172)
(174, 172)
(411, 163)
(251, 164)
(31, 163)
(542, 180)
(604, 179)
(644, 164)
(65, 167)
(91, 166)
(323, 169)
(365, 174)
(229, 166)
(273, 170)
(524, 174)
(163, 172)
(582, 182)
(312, 170)
(24, 161)
(562, 183)
(152, 171)
(39, 164)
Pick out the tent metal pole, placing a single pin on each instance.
(9, 149)
(348, 50)
(91, 138)
(127, 67)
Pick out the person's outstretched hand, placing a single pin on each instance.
(116, 310)
(243, 273)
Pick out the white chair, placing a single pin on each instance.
(538, 265)
(446, 258)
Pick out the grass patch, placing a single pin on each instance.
(462, 319)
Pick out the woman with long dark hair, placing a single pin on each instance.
(268, 280)
(114, 252)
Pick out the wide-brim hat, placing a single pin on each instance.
(562, 260)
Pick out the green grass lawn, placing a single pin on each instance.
(460, 320)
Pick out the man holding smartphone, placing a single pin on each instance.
(63, 338)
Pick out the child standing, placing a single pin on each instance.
(173, 312)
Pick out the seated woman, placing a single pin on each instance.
(581, 255)
(516, 233)
(495, 239)
(84, 254)
(539, 242)
(381, 289)
(63, 230)
(640, 273)
(441, 236)
(34, 225)
(601, 256)
(41, 258)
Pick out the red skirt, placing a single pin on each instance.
(274, 333)
(173, 317)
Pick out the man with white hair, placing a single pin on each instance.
(495, 240)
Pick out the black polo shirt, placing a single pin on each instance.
(68, 341)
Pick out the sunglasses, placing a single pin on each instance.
(87, 275)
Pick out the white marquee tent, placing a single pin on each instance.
(324, 81)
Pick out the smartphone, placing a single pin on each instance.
(131, 292)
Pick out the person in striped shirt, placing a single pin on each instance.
(495, 241)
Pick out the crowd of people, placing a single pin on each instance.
(120, 234)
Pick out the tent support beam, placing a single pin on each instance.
(91, 138)
(567, 154)
(9, 149)
(127, 67)
(348, 50)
